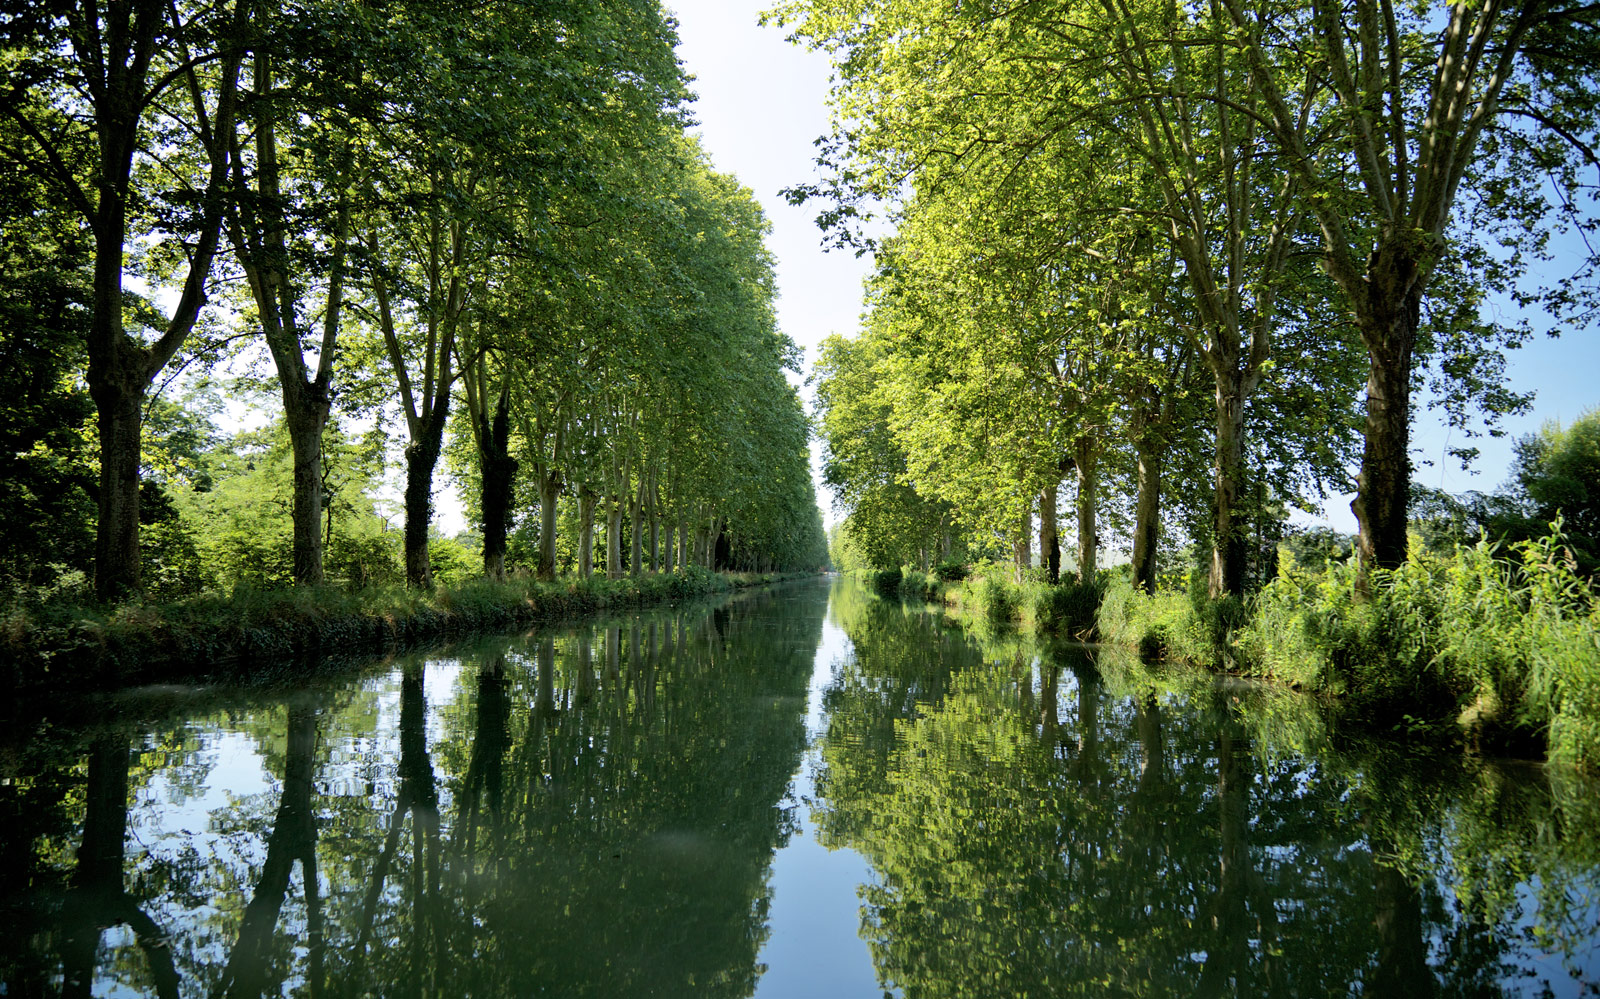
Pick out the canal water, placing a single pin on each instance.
(801, 791)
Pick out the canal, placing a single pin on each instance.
(800, 791)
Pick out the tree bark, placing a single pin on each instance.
(1086, 459)
(1388, 327)
(586, 501)
(1147, 516)
(549, 496)
(613, 536)
(1227, 549)
(422, 457)
(1049, 539)
(499, 484)
(120, 405)
(1022, 550)
(636, 534)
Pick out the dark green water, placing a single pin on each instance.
(797, 792)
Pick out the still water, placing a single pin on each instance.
(803, 791)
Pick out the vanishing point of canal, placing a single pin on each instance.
(798, 791)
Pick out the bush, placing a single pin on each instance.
(885, 582)
(952, 572)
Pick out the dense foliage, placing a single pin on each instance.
(1199, 256)
(429, 231)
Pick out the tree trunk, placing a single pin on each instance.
(1049, 538)
(120, 405)
(422, 457)
(1147, 517)
(1389, 330)
(613, 537)
(586, 501)
(1227, 549)
(549, 493)
(1022, 550)
(1087, 461)
(655, 538)
(636, 535)
(499, 485)
(306, 417)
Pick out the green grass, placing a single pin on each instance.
(1500, 646)
(61, 642)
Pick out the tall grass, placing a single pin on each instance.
(1504, 641)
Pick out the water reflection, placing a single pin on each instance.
(587, 812)
(1043, 823)
(596, 811)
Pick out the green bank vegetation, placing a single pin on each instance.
(1172, 273)
(269, 271)
(248, 630)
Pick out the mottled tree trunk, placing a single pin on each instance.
(586, 501)
(549, 497)
(1227, 548)
(636, 533)
(1146, 516)
(120, 410)
(1021, 547)
(422, 457)
(306, 418)
(613, 537)
(1086, 459)
(1389, 329)
(1049, 537)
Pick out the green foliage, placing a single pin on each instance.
(1503, 642)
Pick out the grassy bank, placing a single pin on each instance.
(48, 646)
(1499, 647)
(1067, 609)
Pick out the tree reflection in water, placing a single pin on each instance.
(594, 812)
(1087, 826)
(505, 823)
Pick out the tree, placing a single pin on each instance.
(1494, 105)
(109, 104)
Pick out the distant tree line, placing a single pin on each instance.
(482, 224)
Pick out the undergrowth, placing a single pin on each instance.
(57, 641)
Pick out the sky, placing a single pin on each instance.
(761, 102)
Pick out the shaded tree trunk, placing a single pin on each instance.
(1049, 540)
(1227, 548)
(1389, 329)
(1086, 459)
(1146, 516)
(613, 536)
(636, 534)
(422, 456)
(499, 472)
(586, 501)
(549, 496)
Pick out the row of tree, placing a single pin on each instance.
(484, 222)
(1172, 243)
